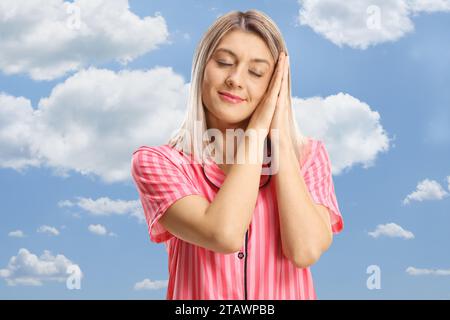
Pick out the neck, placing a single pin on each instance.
(221, 147)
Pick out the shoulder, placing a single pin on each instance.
(159, 156)
(162, 149)
(162, 152)
(162, 155)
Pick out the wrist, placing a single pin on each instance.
(281, 138)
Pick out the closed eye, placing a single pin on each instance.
(223, 63)
(229, 64)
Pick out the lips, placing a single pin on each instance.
(235, 98)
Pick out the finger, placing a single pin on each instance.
(277, 65)
(284, 84)
(277, 77)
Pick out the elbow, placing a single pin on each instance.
(229, 246)
(227, 242)
(306, 258)
(309, 256)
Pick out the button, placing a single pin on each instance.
(241, 255)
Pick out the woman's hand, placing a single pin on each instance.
(264, 112)
(281, 117)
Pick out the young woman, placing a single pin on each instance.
(232, 230)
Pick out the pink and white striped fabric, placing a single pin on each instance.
(259, 270)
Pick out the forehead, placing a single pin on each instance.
(246, 44)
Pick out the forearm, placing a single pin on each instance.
(304, 233)
(234, 204)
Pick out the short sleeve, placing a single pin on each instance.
(160, 182)
(319, 180)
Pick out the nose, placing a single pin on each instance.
(234, 78)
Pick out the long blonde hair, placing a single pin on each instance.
(251, 21)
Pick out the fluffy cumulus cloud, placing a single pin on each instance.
(97, 229)
(350, 129)
(28, 269)
(105, 206)
(148, 284)
(92, 122)
(429, 5)
(412, 271)
(48, 230)
(100, 230)
(16, 130)
(426, 190)
(47, 39)
(391, 230)
(361, 23)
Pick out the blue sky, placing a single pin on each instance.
(381, 104)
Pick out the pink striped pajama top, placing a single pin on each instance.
(259, 270)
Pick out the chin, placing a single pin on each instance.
(233, 119)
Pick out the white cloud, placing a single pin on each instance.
(412, 271)
(16, 234)
(426, 190)
(391, 230)
(429, 5)
(65, 203)
(97, 229)
(48, 229)
(148, 284)
(351, 131)
(16, 130)
(362, 23)
(448, 182)
(100, 230)
(105, 206)
(28, 269)
(48, 39)
(93, 122)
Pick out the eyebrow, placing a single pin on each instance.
(234, 55)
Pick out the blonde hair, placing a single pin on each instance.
(251, 21)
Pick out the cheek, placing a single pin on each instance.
(211, 75)
(208, 80)
(209, 83)
(258, 92)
